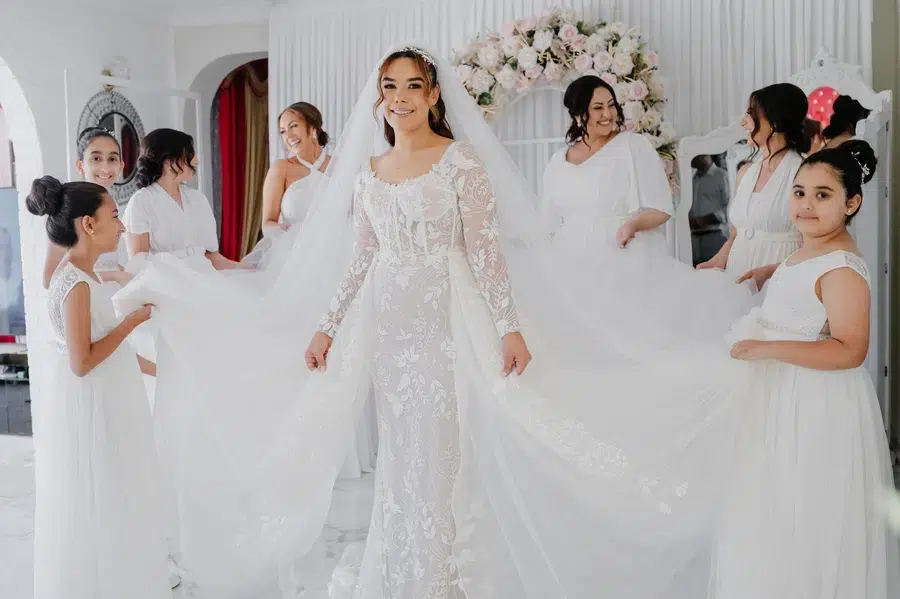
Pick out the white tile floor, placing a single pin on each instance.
(347, 522)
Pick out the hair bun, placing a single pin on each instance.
(46, 197)
(863, 156)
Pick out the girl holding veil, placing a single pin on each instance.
(593, 470)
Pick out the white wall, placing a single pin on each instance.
(203, 57)
(713, 53)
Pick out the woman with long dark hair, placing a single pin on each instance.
(608, 185)
(761, 228)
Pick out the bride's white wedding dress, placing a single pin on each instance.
(597, 473)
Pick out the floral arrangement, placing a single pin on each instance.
(556, 48)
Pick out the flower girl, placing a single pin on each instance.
(98, 534)
(800, 520)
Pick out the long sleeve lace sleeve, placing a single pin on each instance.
(480, 222)
(365, 248)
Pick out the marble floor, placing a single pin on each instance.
(347, 523)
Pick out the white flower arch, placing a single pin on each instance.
(554, 49)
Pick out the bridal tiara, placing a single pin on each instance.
(425, 56)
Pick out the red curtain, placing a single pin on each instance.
(233, 147)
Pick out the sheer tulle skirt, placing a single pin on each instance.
(97, 514)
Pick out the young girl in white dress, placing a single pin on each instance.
(811, 454)
(607, 186)
(98, 532)
(99, 161)
(761, 227)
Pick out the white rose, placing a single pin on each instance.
(511, 45)
(627, 45)
(568, 15)
(639, 91)
(509, 29)
(583, 63)
(506, 77)
(554, 71)
(667, 132)
(621, 90)
(633, 111)
(592, 72)
(542, 40)
(579, 41)
(610, 79)
(651, 120)
(604, 34)
(619, 28)
(594, 43)
(481, 81)
(603, 61)
(490, 56)
(568, 32)
(527, 58)
(464, 72)
(651, 58)
(622, 64)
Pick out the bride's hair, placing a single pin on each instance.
(437, 116)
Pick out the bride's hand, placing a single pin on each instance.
(515, 354)
(625, 234)
(317, 352)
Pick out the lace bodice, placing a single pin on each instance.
(791, 308)
(420, 221)
(103, 315)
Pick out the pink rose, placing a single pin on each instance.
(579, 42)
(652, 59)
(523, 83)
(527, 24)
(553, 71)
(638, 91)
(603, 61)
(568, 33)
(610, 79)
(584, 62)
(534, 72)
(510, 29)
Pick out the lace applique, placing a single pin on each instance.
(60, 287)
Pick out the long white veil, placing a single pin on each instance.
(595, 470)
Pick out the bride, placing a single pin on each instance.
(583, 473)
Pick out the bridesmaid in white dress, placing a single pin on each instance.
(287, 195)
(98, 532)
(99, 161)
(801, 520)
(166, 216)
(607, 187)
(761, 227)
(291, 182)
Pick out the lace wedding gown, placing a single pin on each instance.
(97, 508)
(408, 236)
